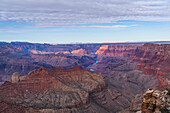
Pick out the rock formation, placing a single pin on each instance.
(53, 90)
(61, 90)
(155, 59)
(79, 52)
(127, 71)
(18, 60)
(16, 77)
(152, 59)
(64, 61)
(154, 101)
(118, 50)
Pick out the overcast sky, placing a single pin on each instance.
(65, 21)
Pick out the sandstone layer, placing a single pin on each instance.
(80, 51)
(118, 50)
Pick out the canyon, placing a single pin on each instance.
(80, 78)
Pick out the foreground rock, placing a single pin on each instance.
(155, 101)
(152, 101)
(55, 90)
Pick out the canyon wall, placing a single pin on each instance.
(152, 59)
(118, 50)
(60, 91)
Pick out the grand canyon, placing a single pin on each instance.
(84, 56)
(83, 78)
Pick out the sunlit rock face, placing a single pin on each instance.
(15, 77)
(118, 50)
(80, 52)
(151, 101)
(155, 101)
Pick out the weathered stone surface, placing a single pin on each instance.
(80, 52)
(15, 77)
(152, 59)
(118, 50)
(56, 90)
(154, 101)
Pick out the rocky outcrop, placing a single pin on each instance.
(152, 101)
(80, 52)
(155, 101)
(16, 77)
(54, 90)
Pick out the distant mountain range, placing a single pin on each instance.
(104, 43)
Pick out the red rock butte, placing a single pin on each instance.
(50, 89)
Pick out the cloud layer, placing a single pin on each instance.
(52, 13)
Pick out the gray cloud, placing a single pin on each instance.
(51, 13)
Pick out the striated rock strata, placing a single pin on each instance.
(118, 50)
(55, 90)
(80, 51)
(152, 59)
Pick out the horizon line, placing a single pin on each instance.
(86, 42)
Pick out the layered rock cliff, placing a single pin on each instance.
(80, 52)
(17, 60)
(61, 90)
(152, 59)
(52, 90)
(63, 61)
(127, 71)
(118, 50)
(155, 59)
